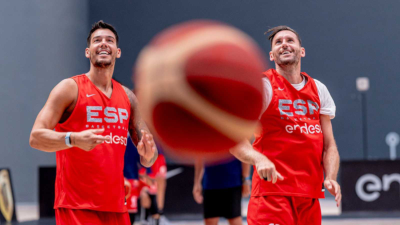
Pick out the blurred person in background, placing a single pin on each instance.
(153, 198)
(220, 188)
(133, 185)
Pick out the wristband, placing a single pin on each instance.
(246, 178)
(68, 139)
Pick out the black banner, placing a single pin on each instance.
(178, 196)
(47, 179)
(7, 205)
(370, 185)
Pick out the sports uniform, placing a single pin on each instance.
(132, 160)
(222, 190)
(159, 168)
(149, 175)
(90, 184)
(131, 173)
(292, 138)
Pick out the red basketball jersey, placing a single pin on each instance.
(291, 137)
(94, 179)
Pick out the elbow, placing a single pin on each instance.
(32, 141)
(234, 150)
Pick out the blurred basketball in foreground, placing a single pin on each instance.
(199, 87)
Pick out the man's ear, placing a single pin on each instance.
(303, 52)
(87, 53)
(118, 53)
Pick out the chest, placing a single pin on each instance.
(289, 102)
(98, 110)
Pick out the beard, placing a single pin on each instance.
(101, 63)
(288, 61)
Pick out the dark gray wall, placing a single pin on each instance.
(42, 42)
(343, 40)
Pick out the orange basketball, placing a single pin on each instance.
(199, 87)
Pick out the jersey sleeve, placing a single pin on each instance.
(328, 106)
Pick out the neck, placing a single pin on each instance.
(101, 77)
(290, 72)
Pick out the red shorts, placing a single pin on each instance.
(90, 217)
(284, 210)
(131, 201)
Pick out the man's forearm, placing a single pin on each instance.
(331, 161)
(150, 162)
(47, 140)
(198, 171)
(245, 152)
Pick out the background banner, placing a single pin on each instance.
(7, 206)
(370, 185)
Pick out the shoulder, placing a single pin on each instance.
(66, 87)
(318, 83)
(328, 106)
(63, 94)
(131, 96)
(320, 86)
(69, 83)
(266, 82)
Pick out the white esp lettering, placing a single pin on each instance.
(110, 114)
(286, 107)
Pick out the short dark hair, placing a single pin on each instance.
(101, 25)
(277, 29)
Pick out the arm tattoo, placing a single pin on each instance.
(134, 122)
(149, 163)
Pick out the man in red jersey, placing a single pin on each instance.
(85, 121)
(295, 145)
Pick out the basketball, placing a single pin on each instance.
(199, 87)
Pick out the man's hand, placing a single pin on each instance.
(146, 147)
(267, 171)
(197, 193)
(88, 139)
(334, 188)
(265, 168)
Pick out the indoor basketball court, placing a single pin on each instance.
(176, 112)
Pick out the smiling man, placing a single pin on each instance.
(85, 121)
(295, 146)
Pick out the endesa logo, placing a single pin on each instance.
(306, 129)
(118, 140)
(373, 185)
(300, 108)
